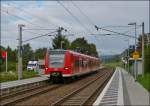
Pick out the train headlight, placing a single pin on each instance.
(66, 68)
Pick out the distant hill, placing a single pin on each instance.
(108, 57)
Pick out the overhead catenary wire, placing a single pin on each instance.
(73, 16)
(18, 17)
(38, 29)
(117, 34)
(22, 10)
(91, 22)
(40, 18)
(33, 32)
(29, 21)
(41, 35)
(114, 32)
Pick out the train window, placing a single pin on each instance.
(76, 63)
(56, 59)
(54, 52)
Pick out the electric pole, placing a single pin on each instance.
(143, 49)
(20, 51)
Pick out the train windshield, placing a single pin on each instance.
(56, 59)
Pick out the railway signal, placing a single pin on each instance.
(4, 56)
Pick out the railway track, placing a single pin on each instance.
(56, 94)
(81, 95)
(22, 95)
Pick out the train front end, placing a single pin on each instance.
(57, 64)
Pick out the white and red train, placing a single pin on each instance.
(65, 63)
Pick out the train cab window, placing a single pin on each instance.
(56, 59)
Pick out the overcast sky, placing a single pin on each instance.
(80, 21)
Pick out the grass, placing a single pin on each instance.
(12, 66)
(112, 64)
(11, 75)
(145, 81)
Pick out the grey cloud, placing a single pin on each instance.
(100, 12)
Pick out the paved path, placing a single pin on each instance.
(11, 84)
(134, 93)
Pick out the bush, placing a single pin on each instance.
(13, 75)
(147, 59)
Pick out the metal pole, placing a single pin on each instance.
(128, 57)
(142, 49)
(135, 62)
(20, 52)
(61, 44)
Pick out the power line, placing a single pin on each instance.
(73, 15)
(39, 29)
(34, 32)
(41, 35)
(116, 26)
(83, 13)
(21, 18)
(131, 29)
(114, 32)
(30, 14)
(36, 17)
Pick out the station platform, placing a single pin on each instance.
(134, 92)
(122, 89)
(12, 86)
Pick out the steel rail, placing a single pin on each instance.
(2, 97)
(28, 94)
(58, 102)
(96, 90)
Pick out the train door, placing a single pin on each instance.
(86, 64)
(76, 59)
(72, 63)
(80, 64)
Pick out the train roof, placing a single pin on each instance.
(76, 53)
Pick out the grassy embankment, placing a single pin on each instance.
(145, 81)
(12, 74)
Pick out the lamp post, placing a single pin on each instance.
(128, 56)
(135, 63)
(143, 34)
(61, 44)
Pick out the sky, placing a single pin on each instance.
(78, 17)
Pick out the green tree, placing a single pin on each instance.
(146, 52)
(58, 40)
(81, 45)
(92, 50)
(40, 53)
(12, 54)
(147, 59)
